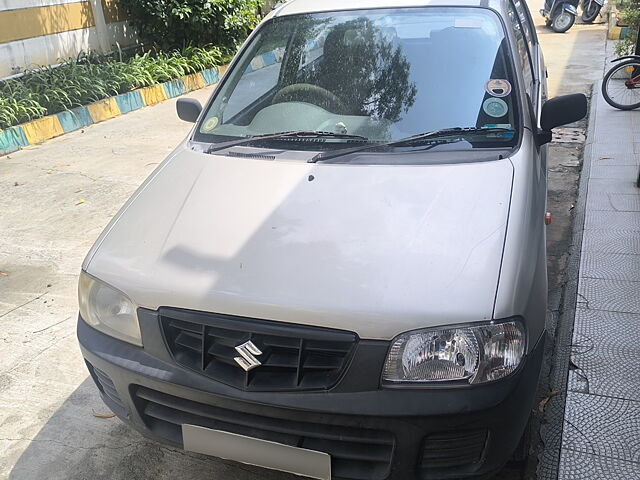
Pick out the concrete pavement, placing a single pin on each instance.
(602, 413)
(54, 201)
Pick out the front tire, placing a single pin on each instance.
(562, 22)
(590, 12)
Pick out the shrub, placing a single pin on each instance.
(178, 23)
(92, 77)
(630, 15)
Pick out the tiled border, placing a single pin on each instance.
(618, 33)
(42, 129)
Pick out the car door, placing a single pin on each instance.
(534, 74)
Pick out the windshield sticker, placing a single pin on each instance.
(210, 124)
(495, 107)
(498, 87)
(505, 135)
(461, 22)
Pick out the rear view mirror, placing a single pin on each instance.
(188, 109)
(561, 111)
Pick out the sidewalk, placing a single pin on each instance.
(601, 433)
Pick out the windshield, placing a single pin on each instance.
(383, 75)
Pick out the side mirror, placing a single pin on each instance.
(561, 111)
(188, 109)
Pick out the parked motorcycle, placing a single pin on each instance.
(560, 15)
(591, 9)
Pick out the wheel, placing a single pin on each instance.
(562, 22)
(621, 85)
(590, 12)
(305, 92)
(547, 22)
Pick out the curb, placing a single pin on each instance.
(51, 126)
(552, 427)
(615, 32)
(618, 33)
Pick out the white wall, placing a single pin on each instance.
(16, 4)
(20, 55)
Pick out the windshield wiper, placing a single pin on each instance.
(414, 139)
(283, 135)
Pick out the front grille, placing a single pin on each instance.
(294, 357)
(453, 450)
(356, 453)
(106, 386)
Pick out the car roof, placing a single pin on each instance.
(295, 7)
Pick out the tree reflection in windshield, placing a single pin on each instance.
(364, 69)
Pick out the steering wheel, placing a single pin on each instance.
(305, 92)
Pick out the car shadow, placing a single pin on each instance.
(77, 443)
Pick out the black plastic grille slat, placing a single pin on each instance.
(167, 415)
(294, 357)
(186, 326)
(356, 453)
(337, 350)
(189, 341)
(222, 351)
(327, 432)
(108, 388)
(104, 378)
(321, 362)
(457, 449)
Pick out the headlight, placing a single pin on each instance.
(108, 310)
(474, 354)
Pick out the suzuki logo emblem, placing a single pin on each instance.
(247, 359)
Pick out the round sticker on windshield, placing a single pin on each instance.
(210, 124)
(498, 87)
(495, 107)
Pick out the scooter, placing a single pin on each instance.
(591, 9)
(560, 15)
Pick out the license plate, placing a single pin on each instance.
(255, 451)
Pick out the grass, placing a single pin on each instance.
(92, 77)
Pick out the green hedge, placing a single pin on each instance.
(176, 23)
(92, 77)
(630, 15)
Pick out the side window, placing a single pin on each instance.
(259, 77)
(313, 50)
(526, 62)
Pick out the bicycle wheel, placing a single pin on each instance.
(621, 85)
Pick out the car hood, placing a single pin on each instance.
(377, 249)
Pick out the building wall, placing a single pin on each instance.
(35, 33)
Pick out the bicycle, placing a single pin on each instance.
(621, 84)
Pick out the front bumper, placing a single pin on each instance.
(370, 433)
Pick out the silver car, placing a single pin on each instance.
(341, 272)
